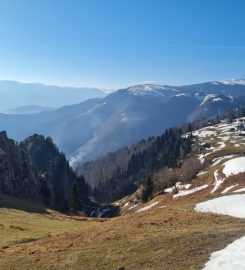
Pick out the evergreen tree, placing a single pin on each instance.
(82, 188)
(74, 200)
(147, 189)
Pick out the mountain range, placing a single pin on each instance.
(92, 128)
(15, 94)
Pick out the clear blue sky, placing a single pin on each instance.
(115, 43)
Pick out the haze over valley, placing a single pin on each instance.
(121, 118)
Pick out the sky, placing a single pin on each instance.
(116, 43)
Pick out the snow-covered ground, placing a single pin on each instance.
(202, 173)
(189, 191)
(203, 133)
(222, 138)
(178, 185)
(132, 207)
(229, 188)
(239, 190)
(218, 181)
(232, 257)
(233, 205)
(234, 166)
(216, 161)
(126, 204)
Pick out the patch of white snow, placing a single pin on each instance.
(239, 190)
(189, 191)
(234, 166)
(229, 188)
(147, 207)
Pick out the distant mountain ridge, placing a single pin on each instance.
(30, 109)
(15, 94)
(92, 128)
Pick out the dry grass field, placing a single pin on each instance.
(173, 237)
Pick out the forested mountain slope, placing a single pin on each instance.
(95, 127)
(37, 171)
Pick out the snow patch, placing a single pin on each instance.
(189, 191)
(217, 99)
(201, 173)
(178, 185)
(239, 190)
(132, 207)
(126, 204)
(234, 166)
(181, 95)
(217, 181)
(232, 256)
(229, 188)
(124, 118)
(204, 133)
(216, 161)
(232, 205)
(234, 82)
(207, 98)
(147, 207)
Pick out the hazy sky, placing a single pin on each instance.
(115, 43)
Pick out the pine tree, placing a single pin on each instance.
(82, 188)
(74, 201)
(147, 189)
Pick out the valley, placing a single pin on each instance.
(168, 232)
(122, 135)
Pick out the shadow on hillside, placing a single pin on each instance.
(18, 204)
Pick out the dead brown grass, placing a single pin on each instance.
(174, 237)
(170, 238)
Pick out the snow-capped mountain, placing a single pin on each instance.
(233, 82)
(96, 126)
(151, 89)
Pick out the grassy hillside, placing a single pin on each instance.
(167, 235)
(174, 237)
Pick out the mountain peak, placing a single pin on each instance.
(240, 81)
(149, 88)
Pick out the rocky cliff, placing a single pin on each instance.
(36, 170)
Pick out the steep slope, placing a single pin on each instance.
(17, 177)
(121, 173)
(35, 170)
(166, 232)
(54, 170)
(220, 151)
